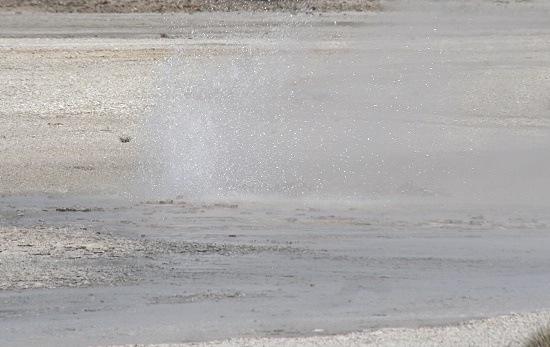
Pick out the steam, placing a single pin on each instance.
(385, 113)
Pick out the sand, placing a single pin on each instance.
(86, 259)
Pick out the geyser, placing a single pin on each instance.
(362, 109)
(288, 116)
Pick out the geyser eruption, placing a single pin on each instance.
(352, 111)
(222, 125)
(286, 117)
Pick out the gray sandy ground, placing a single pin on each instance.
(85, 262)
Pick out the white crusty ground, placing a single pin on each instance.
(65, 105)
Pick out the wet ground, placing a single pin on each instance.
(205, 271)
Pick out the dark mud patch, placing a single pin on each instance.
(79, 209)
(197, 297)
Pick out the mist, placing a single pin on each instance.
(400, 105)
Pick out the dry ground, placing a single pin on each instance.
(80, 99)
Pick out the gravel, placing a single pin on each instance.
(65, 105)
(44, 257)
